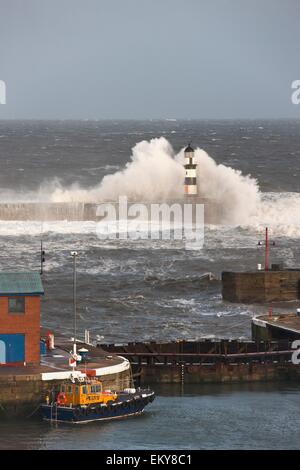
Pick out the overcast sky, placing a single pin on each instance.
(89, 59)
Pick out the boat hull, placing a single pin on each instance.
(124, 407)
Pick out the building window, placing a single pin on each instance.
(16, 304)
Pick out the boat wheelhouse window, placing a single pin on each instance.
(69, 389)
(16, 304)
(84, 390)
(63, 388)
(76, 390)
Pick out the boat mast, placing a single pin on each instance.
(74, 255)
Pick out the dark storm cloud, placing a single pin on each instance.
(143, 59)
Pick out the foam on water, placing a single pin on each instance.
(35, 228)
(281, 211)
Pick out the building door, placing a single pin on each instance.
(14, 347)
(2, 352)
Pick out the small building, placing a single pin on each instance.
(20, 294)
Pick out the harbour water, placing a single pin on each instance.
(156, 289)
(209, 417)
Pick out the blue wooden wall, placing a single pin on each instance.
(12, 348)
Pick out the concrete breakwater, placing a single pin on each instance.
(77, 211)
(43, 211)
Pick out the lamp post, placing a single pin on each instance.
(267, 246)
(74, 255)
(42, 258)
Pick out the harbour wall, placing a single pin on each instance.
(207, 361)
(217, 373)
(276, 327)
(261, 286)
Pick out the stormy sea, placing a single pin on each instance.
(144, 289)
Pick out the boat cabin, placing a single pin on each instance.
(84, 393)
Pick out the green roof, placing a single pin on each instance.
(22, 283)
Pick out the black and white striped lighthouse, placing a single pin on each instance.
(190, 181)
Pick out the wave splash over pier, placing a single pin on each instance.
(155, 173)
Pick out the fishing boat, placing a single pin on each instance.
(83, 401)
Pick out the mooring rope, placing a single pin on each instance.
(34, 411)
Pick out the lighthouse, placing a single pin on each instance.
(190, 166)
